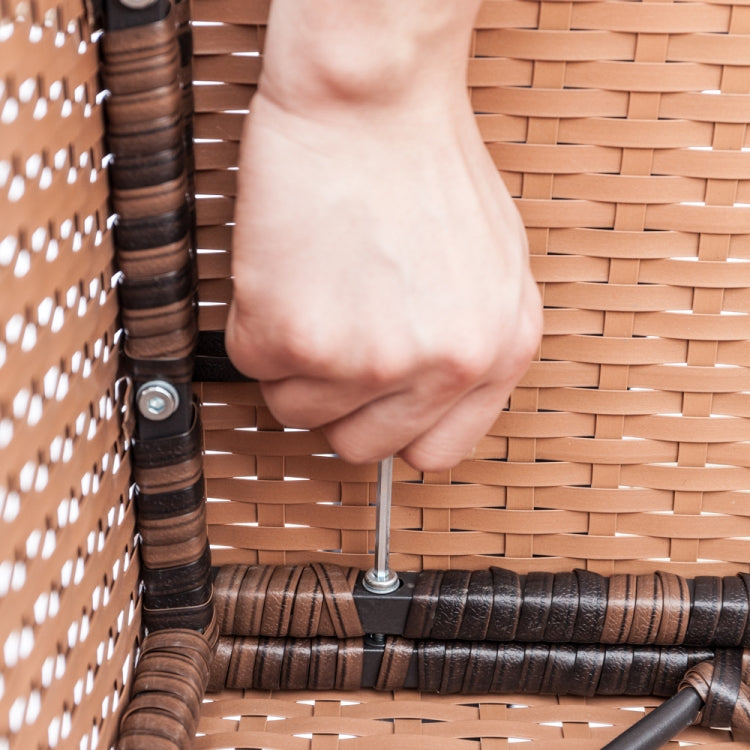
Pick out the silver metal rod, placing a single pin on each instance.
(380, 579)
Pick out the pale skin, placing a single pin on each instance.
(382, 289)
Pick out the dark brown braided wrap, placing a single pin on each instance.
(724, 686)
(496, 605)
(149, 114)
(168, 689)
(295, 601)
(147, 69)
(451, 667)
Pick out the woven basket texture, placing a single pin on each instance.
(622, 129)
(69, 618)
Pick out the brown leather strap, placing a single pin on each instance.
(219, 677)
(481, 667)
(248, 613)
(451, 604)
(241, 668)
(723, 685)
(394, 667)
(587, 670)
(561, 620)
(296, 601)
(643, 671)
(146, 65)
(167, 691)
(308, 604)
(506, 605)
(476, 618)
(457, 656)
(535, 607)
(580, 607)
(279, 601)
(592, 607)
(675, 606)
(618, 661)
(559, 668)
(337, 585)
(457, 667)
(648, 611)
(705, 611)
(423, 604)
(620, 609)
(295, 669)
(323, 661)
(226, 588)
(349, 664)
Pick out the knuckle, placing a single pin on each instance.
(381, 370)
(468, 362)
(300, 344)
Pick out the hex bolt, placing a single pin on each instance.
(157, 400)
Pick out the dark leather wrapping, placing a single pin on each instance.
(451, 666)
(146, 67)
(294, 601)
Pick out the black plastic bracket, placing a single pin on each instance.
(385, 614)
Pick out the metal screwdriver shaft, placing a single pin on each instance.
(380, 579)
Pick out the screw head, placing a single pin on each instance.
(157, 400)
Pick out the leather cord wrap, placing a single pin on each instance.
(168, 688)
(449, 666)
(296, 601)
(578, 607)
(147, 70)
(723, 686)
(581, 607)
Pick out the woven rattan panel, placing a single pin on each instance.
(408, 719)
(621, 128)
(68, 583)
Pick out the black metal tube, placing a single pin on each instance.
(661, 725)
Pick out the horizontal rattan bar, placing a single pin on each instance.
(449, 666)
(494, 604)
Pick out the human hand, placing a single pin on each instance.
(381, 282)
(382, 289)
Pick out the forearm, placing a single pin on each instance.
(383, 53)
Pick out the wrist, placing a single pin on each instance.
(329, 56)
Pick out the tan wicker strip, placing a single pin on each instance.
(69, 614)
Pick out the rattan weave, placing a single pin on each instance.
(69, 614)
(622, 129)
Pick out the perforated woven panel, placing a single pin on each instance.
(68, 581)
